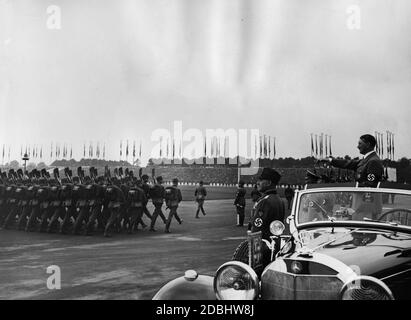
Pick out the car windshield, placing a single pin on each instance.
(355, 206)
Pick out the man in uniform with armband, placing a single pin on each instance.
(269, 207)
(369, 170)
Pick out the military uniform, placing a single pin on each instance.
(157, 195)
(368, 171)
(266, 210)
(136, 199)
(145, 186)
(116, 200)
(239, 202)
(200, 194)
(255, 195)
(173, 198)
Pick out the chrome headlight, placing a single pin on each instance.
(235, 280)
(277, 228)
(365, 288)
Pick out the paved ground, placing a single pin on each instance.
(122, 267)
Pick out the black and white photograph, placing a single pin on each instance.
(205, 150)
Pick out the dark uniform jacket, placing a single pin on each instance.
(267, 209)
(240, 197)
(174, 196)
(200, 193)
(289, 193)
(368, 171)
(255, 195)
(157, 192)
(146, 188)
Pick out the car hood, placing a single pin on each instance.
(370, 252)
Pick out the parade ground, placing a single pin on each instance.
(124, 266)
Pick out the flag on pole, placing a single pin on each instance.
(377, 146)
(255, 147)
(326, 145)
(205, 147)
(161, 147)
(321, 145)
(388, 144)
(329, 148)
(269, 147)
(393, 152)
(312, 145)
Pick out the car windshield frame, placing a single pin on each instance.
(347, 223)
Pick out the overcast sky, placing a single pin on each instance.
(121, 69)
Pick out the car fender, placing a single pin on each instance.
(188, 288)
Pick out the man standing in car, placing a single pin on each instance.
(369, 170)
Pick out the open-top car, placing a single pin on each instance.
(345, 242)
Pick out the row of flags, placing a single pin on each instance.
(389, 150)
(321, 145)
(94, 151)
(217, 147)
(126, 151)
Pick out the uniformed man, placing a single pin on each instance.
(289, 195)
(269, 207)
(173, 198)
(136, 198)
(200, 194)
(255, 194)
(369, 170)
(157, 196)
(116, 199)
(239, 202)
(146, 187)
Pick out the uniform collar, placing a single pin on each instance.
(270, 191)
(368, 154)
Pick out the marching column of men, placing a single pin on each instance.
(35, 201)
